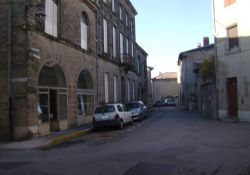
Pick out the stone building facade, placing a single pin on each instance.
(150, 87)
(50, 70)
(165, 85)
(59, 64)
(232, 30)
(122, 62)
(188, 97)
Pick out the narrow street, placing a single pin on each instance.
(169, 142)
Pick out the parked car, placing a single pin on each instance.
(111, 115)
(169, 102)
(138, 109)
(157, 103)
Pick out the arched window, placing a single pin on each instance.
(85, 94)
(84, 32)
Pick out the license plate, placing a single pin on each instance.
(105, 117)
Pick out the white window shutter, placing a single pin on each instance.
(105, 35)
(48, 18)
(106, 87)
(115, 88)
(127, 46)
(54, 19)
(51, 17)
(121, 47)
(133, 90)
(132, 49)
(128, 90)
(84, 33)
(114, 42)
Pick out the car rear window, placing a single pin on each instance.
(132, 105)
(105, 109)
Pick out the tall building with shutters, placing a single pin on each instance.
(122, 63)
(61, 58)
(47, 66)
(232, 31)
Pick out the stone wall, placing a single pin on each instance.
(4, 120)
(64, 50)
(107, 63)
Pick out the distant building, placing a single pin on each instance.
(232, 31)
(206, 88)
(164, 85)
(188, 98)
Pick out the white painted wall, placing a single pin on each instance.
(234, 64)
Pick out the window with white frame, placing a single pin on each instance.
(128, 90)
(114, 42)
(115, 88)
(84, 32)
(133, 90)
(121, 47)
(233, 38)
(51, 17)
(126, 19)
(138, 65)
(127, 49)
(105, 36)
(120, 12)
(132, 49)
(106, 87)
(113, 5)
(131, 25)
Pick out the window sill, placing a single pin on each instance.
(233, 51)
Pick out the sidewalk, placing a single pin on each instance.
(51, 139)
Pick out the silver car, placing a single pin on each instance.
(111, 115)
(138, 109)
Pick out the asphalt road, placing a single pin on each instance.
(169, 142)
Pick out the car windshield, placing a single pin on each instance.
(105, 109)
(132, 105)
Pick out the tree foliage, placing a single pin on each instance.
(207, 69)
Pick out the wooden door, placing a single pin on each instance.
(232, 97)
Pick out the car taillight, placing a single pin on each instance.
(117, 116)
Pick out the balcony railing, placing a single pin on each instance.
(127, 62)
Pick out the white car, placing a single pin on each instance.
(111, 115)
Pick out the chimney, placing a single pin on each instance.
(199, 45)
(205, 41)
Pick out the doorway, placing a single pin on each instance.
(53, 104)
(52, 100)
(123, 90)
(232, 94)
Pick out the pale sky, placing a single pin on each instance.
(165, 28)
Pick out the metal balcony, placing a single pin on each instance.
(127, 62)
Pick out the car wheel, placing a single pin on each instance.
(132, 121)
(96, 128)
(121, 124)
(141, 117)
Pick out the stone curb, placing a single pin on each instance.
(68, 137)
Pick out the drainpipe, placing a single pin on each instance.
(97, 63)
(9, 58)
(216, 66)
